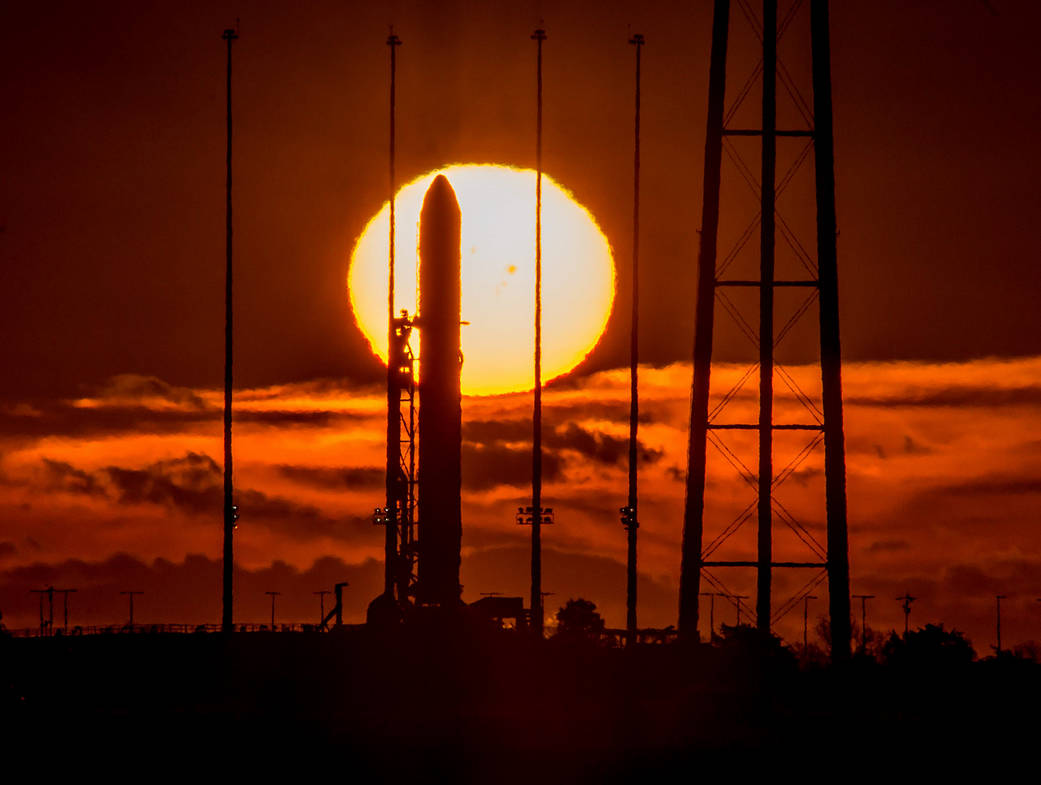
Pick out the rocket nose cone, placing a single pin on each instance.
(441, 192)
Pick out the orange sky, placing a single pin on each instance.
(111, 308)
(943, 493)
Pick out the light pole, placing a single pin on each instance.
(739, 597)
(131, 594)
(272, 594)
(907, 600)
(711, 611)
(321, 597)
(863, 618)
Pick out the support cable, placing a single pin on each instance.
(753, 183)
(788, 605)
(795, 318)
(730, 530)
(820, 549)
(740, 320)
(801, 396)
(733, 391)
(737, 463)
(798, 460)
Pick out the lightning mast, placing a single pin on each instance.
(230, 511)
(630, 518)
(536, 449)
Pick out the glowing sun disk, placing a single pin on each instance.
(498, 275)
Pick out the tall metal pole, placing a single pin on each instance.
(272, 594)
(739, 597)
(711, 612)
(907, 599)
(229, 496)
(694, 506)
(65, 606)
(321, 602)
(393, 517)
(536, 451)
(831, 349)
(131, 594)
(631, 518)
(46, 628)
(766, 313)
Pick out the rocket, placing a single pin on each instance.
(440, 399)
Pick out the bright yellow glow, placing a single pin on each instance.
(498, 275)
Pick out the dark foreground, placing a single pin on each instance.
(419, 706)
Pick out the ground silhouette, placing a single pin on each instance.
(440, 702)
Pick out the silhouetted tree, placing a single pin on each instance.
(578, 620)
(1028, 650)
(747, 643)
(928, 646)
(812, 656)
(865, 646)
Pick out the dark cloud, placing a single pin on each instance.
(961, 397)
(138, 387)
(802, 477)
(495, 431)
(617, 412)
(289, 418)
(146, 404)
(888, 546)
(63, 419)
(335, 478)
(995, 485)
(912, 447)
(193, 484)
(62, 476)
(488, 466)
(7, 549)
(599, 447)
(594, 445)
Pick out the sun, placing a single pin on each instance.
(498, 275)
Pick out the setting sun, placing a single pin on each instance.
(498, 275)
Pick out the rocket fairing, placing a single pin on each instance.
(440, 398)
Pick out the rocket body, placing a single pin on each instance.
(440, 399)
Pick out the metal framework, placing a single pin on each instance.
(399, 513)
(829, 561)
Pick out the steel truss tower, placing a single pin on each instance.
(831, 561)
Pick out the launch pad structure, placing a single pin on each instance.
(423, 556)
(831, 560)
(423, 571)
